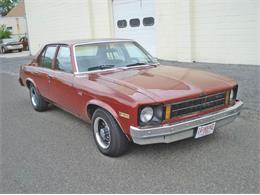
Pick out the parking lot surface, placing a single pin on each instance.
(15, 54)
(54, 152)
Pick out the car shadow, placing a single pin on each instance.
(152, 150)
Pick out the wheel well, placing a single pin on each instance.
(28, 83)
(91, 109)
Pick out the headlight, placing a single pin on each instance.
(146, 114)
(231, 95)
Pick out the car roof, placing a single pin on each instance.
(89, 41)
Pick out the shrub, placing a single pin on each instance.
(4, 33)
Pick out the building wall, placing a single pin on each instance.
(18, 25)
(50, 20)
(223, 31)
(173, 29)
(226, 31)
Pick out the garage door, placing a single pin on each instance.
(135, 19)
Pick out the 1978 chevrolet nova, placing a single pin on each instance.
(126, 95)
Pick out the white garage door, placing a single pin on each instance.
(135, 19)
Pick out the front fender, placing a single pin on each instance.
(108, 108)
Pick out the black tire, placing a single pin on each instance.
(38, 103)
(20, 50)
(3, 50)
(118, 143)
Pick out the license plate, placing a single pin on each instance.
(205, 130)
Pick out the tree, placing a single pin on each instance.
(6, 6)
(4, 33)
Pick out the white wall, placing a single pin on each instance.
(50, 20)
(18, 25)
(226, 31)
(222, 31)
(173, 29)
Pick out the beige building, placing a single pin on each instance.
(220, 31)
(15, 21)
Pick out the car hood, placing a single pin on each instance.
(12, 43)
(168, 83)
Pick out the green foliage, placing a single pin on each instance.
(4, 33)
(6, 6)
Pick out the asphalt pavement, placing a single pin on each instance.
(54, 152)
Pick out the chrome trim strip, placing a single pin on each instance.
(109, 69)
(174, 132)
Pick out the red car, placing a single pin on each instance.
(127, 96)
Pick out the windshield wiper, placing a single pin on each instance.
(101, 67)
(136, 64)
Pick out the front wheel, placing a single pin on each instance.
(38, 103)
(108, 136)
(3, 50)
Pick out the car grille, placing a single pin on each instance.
(198, 104)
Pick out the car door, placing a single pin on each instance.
(62, 91)
(43, 70)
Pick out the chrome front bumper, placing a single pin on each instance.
(185, 129)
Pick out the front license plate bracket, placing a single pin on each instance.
(205, 130)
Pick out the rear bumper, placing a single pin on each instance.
(185, 129)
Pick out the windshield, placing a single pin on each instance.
(109, 55)
(8, 40)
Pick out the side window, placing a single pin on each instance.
(63, 61)
(47, 57)
(121, 23)
(134, 22)
(148, 21)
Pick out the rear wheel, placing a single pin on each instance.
(38, 103)
(20, 50)
(108, 136)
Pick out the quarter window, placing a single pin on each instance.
(63, 61)
(135, 22)
(47, 57)
(121, 23)
(148, 21)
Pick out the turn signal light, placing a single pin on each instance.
(168, 112)
(227, 98)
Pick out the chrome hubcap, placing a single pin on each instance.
(34, 98)
(102, 132)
